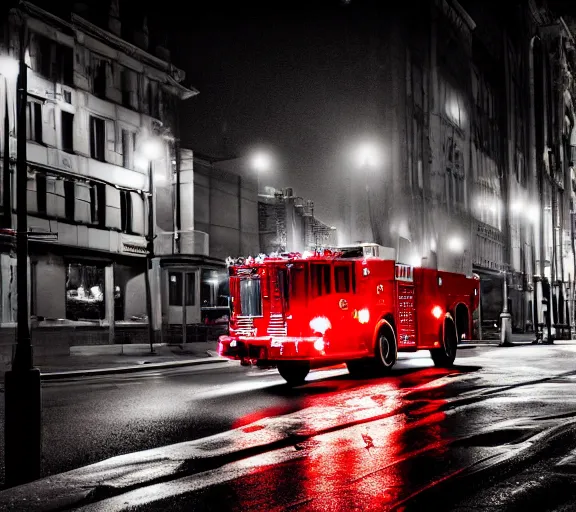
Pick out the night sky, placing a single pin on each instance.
(297, 80)
(301, 80)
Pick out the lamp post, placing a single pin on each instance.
(151, 149)
(369, 158)
(260, 162)
(22, 384)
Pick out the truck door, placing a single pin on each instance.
(344, 292)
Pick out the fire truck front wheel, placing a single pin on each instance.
(294, 372)
(444, 357)
(386, 350)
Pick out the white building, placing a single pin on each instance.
(96, 103)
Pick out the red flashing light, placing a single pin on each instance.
(437, 312)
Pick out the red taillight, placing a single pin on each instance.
(437, 311)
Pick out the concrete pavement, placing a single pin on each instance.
(109, 359)
(492, 430)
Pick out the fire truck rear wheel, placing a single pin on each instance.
(444, 357)
(386, 351)
(294, 372)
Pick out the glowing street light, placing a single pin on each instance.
(9, 67)
(152, 149)
(261, 162)
(369, 155)
(149, 150)
(456, 244)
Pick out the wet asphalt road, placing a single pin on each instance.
(357, 444)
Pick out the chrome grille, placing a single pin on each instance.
(245, 325)
(277, 325)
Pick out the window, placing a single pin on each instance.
(190, 289)
(250, 297)
(128, 139)
(67, 122)
(63, 64)
(34, 121)
(97, 138)
(98, 204)
(153, 99)
(343, 279)
(52, 60)
(129, 86)
(283, 285)
(175, 289)
(84, 292)
(100, 70)
(321, 281)
(126, 211)
(41, 193)
(69, 199)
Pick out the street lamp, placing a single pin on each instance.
(368, 157)
(23, 442)
(261, 162)
(149, 150)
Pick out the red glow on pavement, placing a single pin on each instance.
(366, 464)
(253, 417)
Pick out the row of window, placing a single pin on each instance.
(55, 61)
(101, 132)
(83, 202)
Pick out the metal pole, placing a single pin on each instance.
(505, 317)
(149, 256)
(23, 402)
(7, 171)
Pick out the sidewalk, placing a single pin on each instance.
(102, 359)
(517, 339)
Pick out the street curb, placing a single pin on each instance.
(131, 369)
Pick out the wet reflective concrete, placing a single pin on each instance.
(470, 438)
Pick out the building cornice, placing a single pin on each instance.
(174, 74)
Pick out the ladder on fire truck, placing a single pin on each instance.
(406, 306)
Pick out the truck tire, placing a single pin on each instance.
(444, 357)
(386, 351)
(294, 372)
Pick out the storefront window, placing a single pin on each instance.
(214, 289)
(85, 292)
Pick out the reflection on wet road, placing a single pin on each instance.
(399, 442)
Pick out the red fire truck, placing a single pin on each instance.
(355, 305)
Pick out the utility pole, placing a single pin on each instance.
(149, 257)
(22, 384)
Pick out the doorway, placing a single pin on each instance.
(183, 297)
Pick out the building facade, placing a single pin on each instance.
(103, 159)
(226, 208)
(478, 142)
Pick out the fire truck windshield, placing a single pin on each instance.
(250, 296)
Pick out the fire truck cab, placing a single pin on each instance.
(354, 305)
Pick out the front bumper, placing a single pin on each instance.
(250, 350)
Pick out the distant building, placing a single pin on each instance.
(287, 224)
(477, 133)
(225, 207)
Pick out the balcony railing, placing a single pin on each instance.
(189, 242)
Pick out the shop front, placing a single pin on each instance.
(194, 298)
